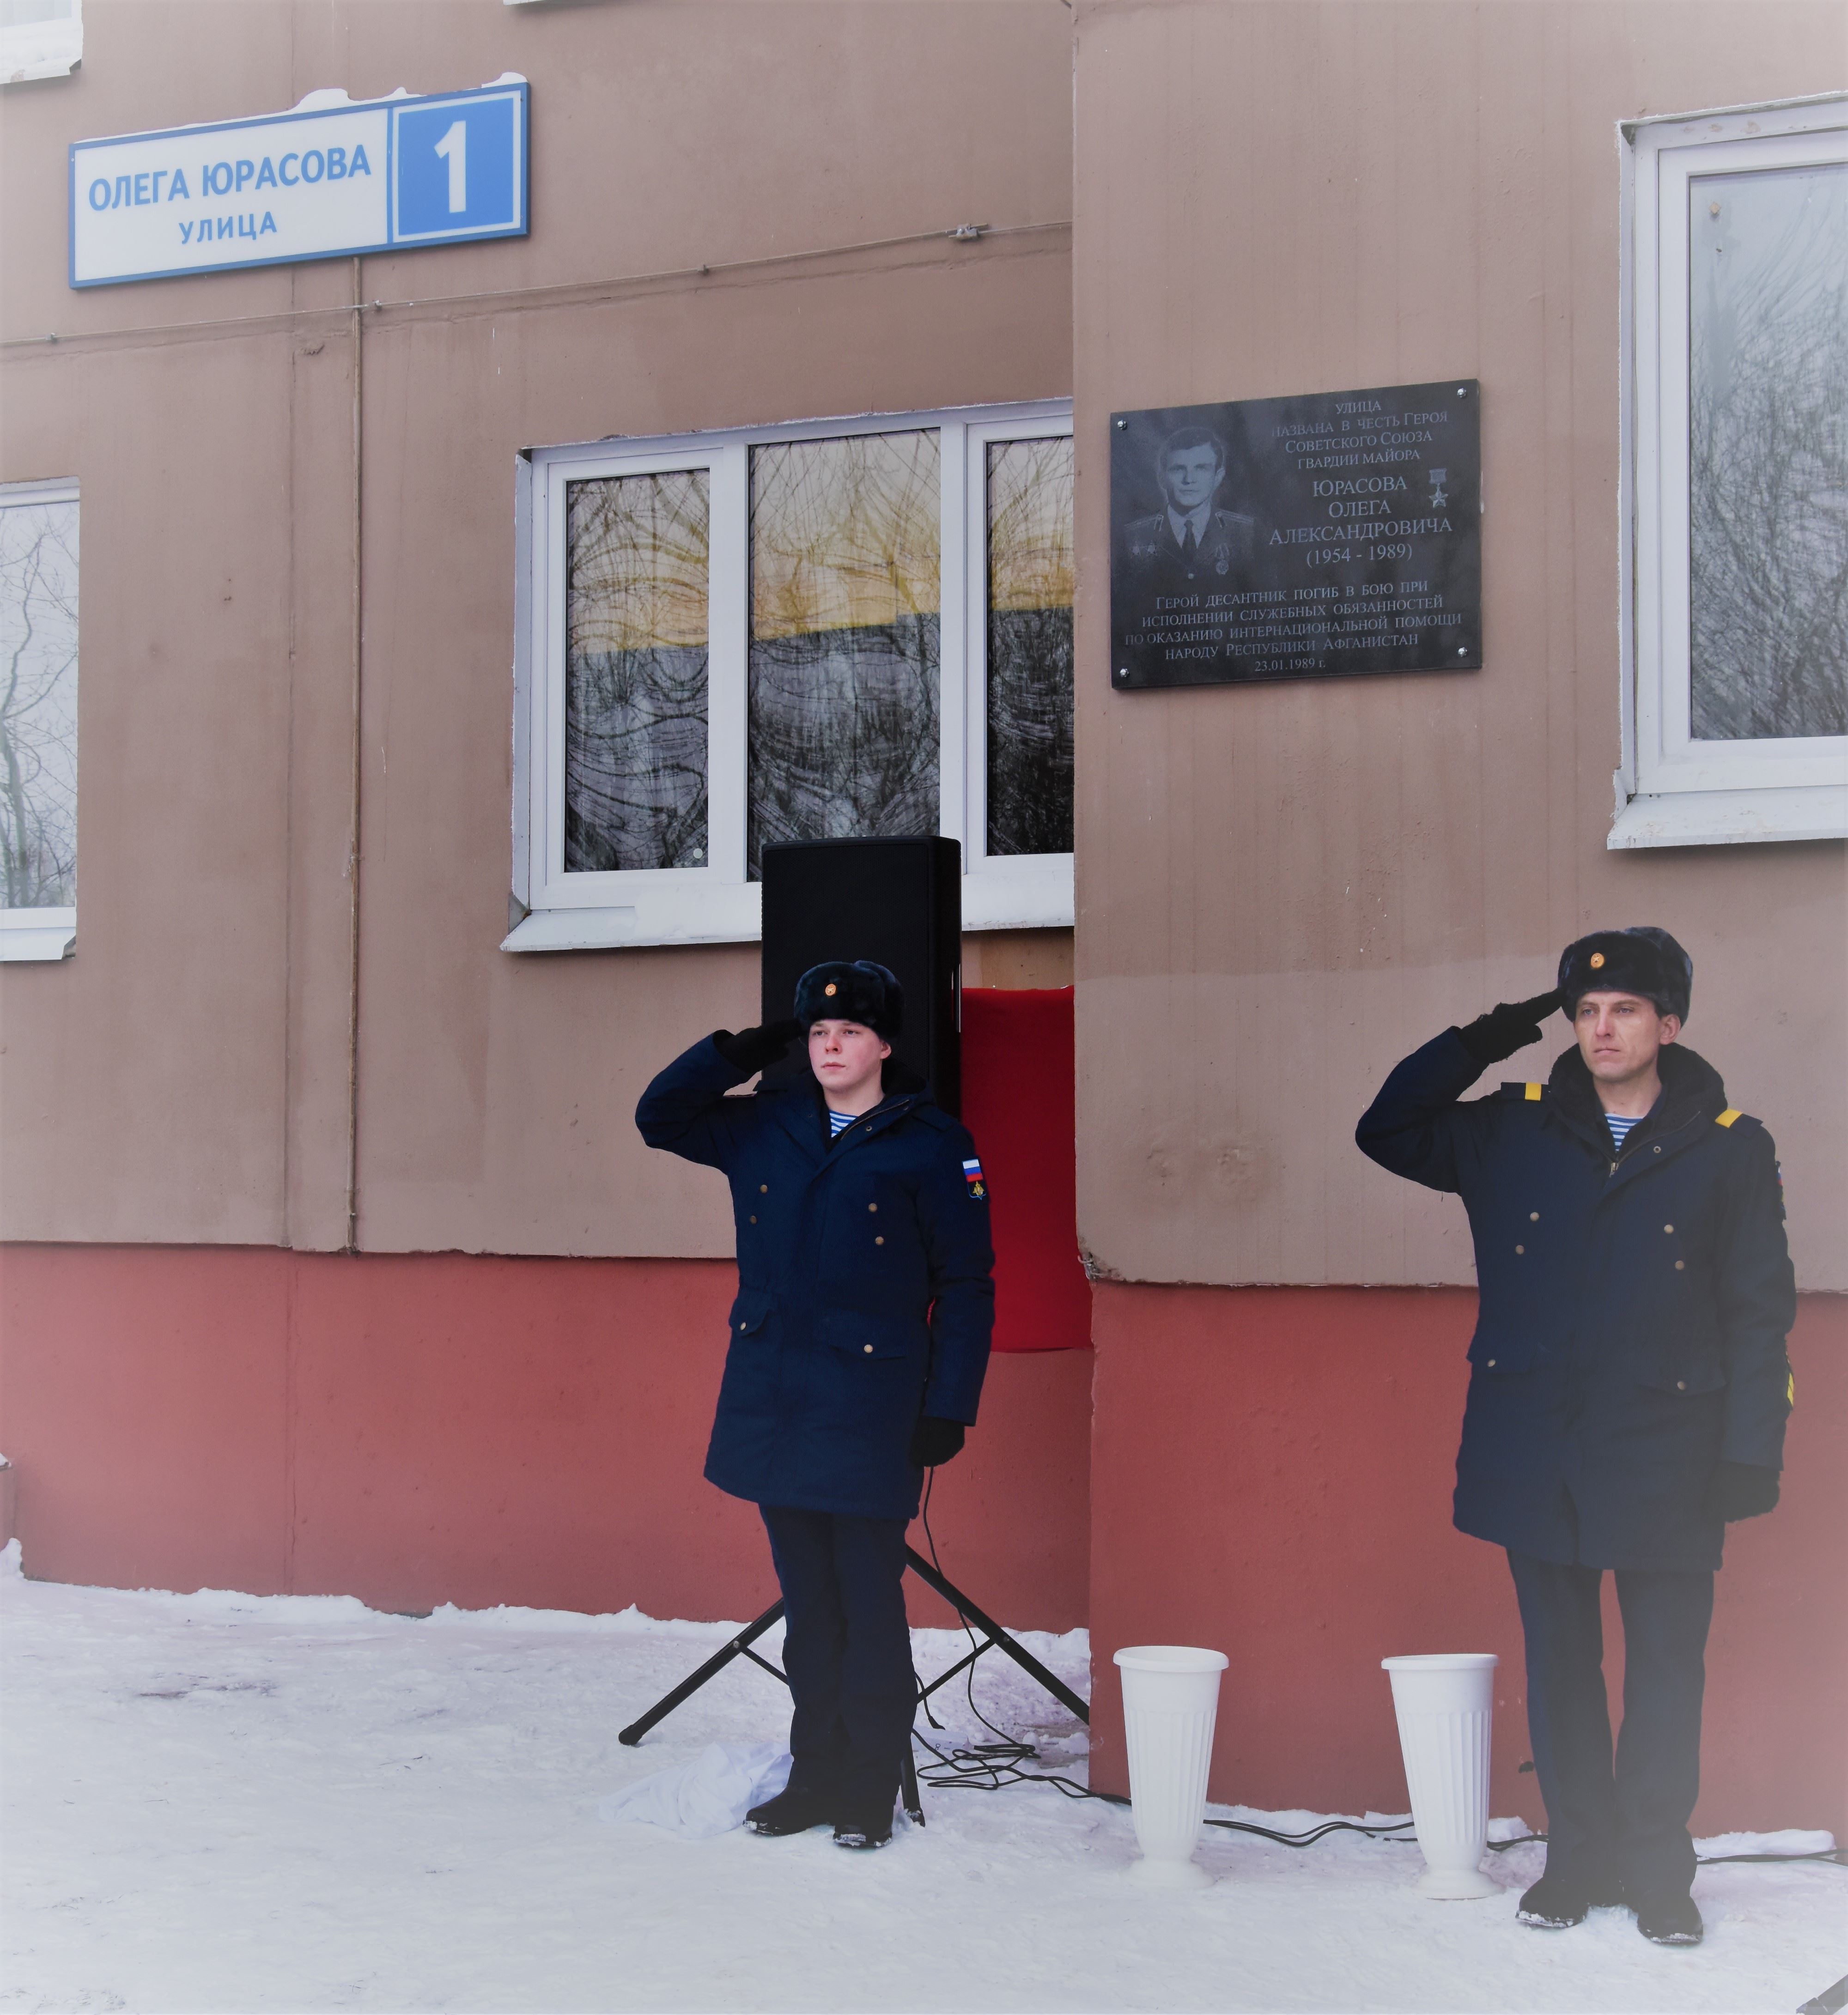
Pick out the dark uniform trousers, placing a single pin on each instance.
(847, 1652)
(1629, 1822)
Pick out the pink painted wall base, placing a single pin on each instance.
(447, 1428)
(1268, 1473)
(1270, 1476)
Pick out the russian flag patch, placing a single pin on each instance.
(972, 1174)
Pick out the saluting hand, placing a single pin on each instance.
(1510, 1027)
(753, 1050)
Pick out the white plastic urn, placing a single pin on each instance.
(1445, 1702)
(1171, 1700)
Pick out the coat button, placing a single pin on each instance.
(872, 1206)
(1533, 1217)
(753, 1218)
(763, 1188)
(1491, 1364)
(741, 1325)
(1657, 1150)
(878, 1242)
(1668, 1228)
(1520, 1248)
(867, 1347)
(1681, 1384)
(1680, 1266)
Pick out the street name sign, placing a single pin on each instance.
(332, 178)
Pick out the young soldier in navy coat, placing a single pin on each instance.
(858, 1343)
(1628, 1384)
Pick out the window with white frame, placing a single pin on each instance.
(39, 526)
(1736, 355)
(829, 630)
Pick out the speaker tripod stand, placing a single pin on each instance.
(995, 1639)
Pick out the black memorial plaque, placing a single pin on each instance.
(1314, 537)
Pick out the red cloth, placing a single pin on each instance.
(1019, 1100)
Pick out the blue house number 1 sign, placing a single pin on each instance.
(331, 179)
(460, 167)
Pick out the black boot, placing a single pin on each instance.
(868, 1829)
(794, 1809)
(1558, 1901)
(1670, 1920)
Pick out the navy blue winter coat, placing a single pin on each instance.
(865, 1287)
(1634, 1308)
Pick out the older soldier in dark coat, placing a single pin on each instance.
(1189, 545)
(1629, 1384)
(858, 1343)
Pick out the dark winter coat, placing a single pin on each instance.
(865, 1288)
(1634, 1306)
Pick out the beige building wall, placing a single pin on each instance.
(1282, 889)
(284, 504)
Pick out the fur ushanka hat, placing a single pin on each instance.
(860, 992)
(1642, 961)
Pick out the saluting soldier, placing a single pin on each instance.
(1190, 545)
(859, 1340)
(1629, 1384)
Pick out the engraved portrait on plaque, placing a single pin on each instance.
(1314, 537)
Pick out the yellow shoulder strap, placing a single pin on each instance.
(1533, 1095)
(1726, 1118)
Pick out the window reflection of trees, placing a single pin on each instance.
(636, 630)
(843, 677)
(38, 544)
(1030, 647)
(1768, 452)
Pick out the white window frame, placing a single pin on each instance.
(1000, 891)
(49, 933)
(715, 904)
(42, 48)
(1671, 790)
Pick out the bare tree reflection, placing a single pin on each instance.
(38, 545)
(1768, 452)
(636, 631)
(844, 644)
(1030, 575)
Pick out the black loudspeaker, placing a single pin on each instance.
(897, 901)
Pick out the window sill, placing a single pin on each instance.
(40, 49)
(37, 934)
(726, 914)
(1030, 892)
(1731, 818)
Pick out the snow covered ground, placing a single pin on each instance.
(220, 1802)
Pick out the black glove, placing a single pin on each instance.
(1744, 1490)
(1510, 1027)
(753, 1050)
(934, 1442)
